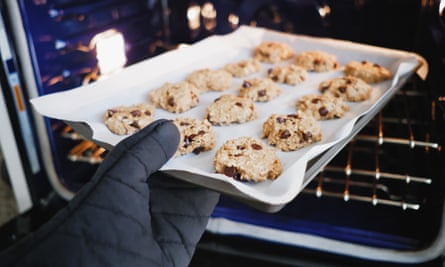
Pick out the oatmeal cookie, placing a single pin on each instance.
(175, 97)
(259, 89)
(292, 131)
(228, 109)
(123, 120)
(247, 159)
(367, 71)
(290, 74)
(322, 107)
(316, 61)
(273, 52)
(196, 136)
(210, 80)
(243, 68)
(349, 88)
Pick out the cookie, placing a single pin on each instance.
(228, 109)
(123, 120)
(316, 61)
(243, 68)
(367, 71)
(349, 88)
(291, 132)
(175, 97)
(247, 159)
(273, 52)
(196, 136)
(322, 107)
(210, 80)
(259, 89)
(290, 74)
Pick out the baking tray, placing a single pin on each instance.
(83, 107)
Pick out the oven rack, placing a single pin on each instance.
(345, 180)
(83, 150)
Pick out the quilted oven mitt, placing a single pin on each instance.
(127, 215)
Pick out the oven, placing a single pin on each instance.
(376, 198)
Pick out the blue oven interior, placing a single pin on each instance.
(60, 32)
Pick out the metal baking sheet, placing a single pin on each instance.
(83, 107)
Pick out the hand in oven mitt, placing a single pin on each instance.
(127, 215)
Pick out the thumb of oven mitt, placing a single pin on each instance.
(127, 215)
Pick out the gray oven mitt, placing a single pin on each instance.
(127, 215)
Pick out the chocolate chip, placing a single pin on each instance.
(171, 101)
(323, 111)
(315, 100)
(111, 112)
(342, 89)
(376, 65)
(198, 150)
(262, 92)
(269, 71)
(240, 147)
(202, 132)
(295, 116)
(136, 113)
(307, 136)
(364, 62)
(256, 146)
(232, 172)
(135, 125)
(187, 141)
(281, 120)
(324, 88)
(246, 84)
(285, 134)
(147, 112)
(183, 123)
(317, 62)
(238, 104)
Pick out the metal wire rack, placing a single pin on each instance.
(377, 166)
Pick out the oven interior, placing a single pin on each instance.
(383, 190)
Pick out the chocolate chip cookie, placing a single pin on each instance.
(175, 97)
(349, 88)
(367, 71)
(273, 52)
(123, 120)
(228, 109)
(259, 89)
(322, 107)
(196, 136)
(247, 159)
(244, 68)
(292, 131)
(316, 61)
(290, 74)
(210, 80)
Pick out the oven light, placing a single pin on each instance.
(324, 11)
(193, 16)
(208, 13)
(110, 51)
(233, 20)
(441, 7)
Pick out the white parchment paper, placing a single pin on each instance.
(131, 86)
